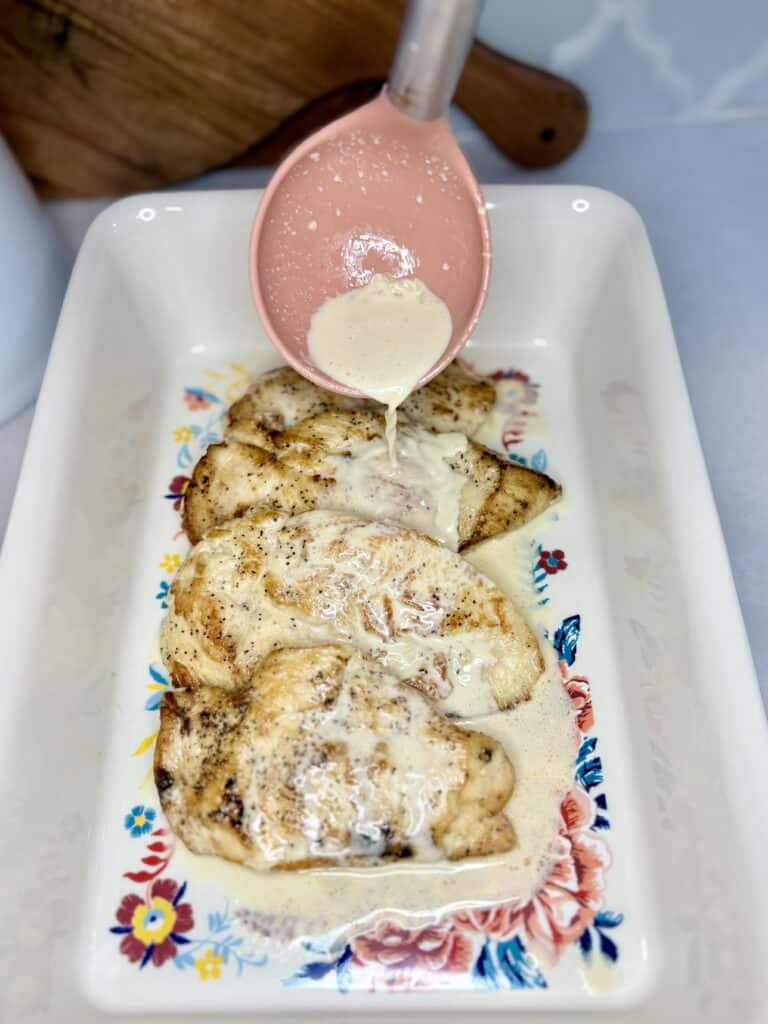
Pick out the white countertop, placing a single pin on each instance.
(701, 190)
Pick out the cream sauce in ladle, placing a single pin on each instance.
(381, 339)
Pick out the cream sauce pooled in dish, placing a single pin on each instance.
(381, 339)
(541, 740)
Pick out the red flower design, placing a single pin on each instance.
(569, 897)
(194, 401)
(579, 691)
(177, 489)
(572, 892)
(552, 561)
(510, 375)
(408, 958)
(152, 927)
(497, 922)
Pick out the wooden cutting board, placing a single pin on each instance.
(105, 97)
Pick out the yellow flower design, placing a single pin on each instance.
(182, 435)
(240, 379)
(170, 562)
(209, 965)
(154, 923)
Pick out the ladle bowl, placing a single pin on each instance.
(385, 189)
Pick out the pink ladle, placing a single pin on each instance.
(385, 189)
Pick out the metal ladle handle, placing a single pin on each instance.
(431, 50)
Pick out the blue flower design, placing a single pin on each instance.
(508, 960)
(158, 686)
(608, 948)
(567, 638)
(139, 820)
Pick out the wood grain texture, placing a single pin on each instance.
(113, 96)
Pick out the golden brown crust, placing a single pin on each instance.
(232, 478)
(455, 399)
(299, 474)
(265, 581)
(277, 400)
(237, 771)
(499, 496)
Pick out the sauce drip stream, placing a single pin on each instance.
(381, 339)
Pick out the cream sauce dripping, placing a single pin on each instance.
(381, 339)
(421, 491)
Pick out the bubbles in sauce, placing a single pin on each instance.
(381, 339)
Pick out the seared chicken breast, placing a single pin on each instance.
(326, 759)
(267, 581)
(446, 486)
(454, 400)
(324, 646)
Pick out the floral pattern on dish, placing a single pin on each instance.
(154, 925)
(138, 821)
(177, 489)
(512, 944)
(509, 944)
